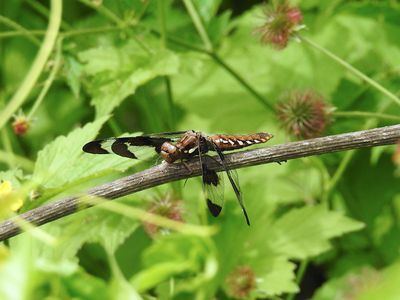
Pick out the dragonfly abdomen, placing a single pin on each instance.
(232, 142)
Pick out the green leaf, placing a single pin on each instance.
(73, 71)
(118, 72)
(365, 283)
(100, 226)
(275, 276)
(305, 232)
(57, 162)
(63, 160)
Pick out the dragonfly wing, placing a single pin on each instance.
(213, 185)
(126, 146)
(233, 179)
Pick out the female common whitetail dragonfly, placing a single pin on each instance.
(184, 145)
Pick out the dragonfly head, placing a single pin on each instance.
(169, 152)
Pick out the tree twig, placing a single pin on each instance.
(165, 173)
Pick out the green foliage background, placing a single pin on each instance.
(323, 227)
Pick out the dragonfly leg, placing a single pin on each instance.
(187, 167)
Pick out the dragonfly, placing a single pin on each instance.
(184, 146)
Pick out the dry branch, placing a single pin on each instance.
(166, 173)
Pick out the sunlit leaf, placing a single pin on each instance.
(305, 232)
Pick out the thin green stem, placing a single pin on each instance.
(6, 34)
(179, 42)
(365, 114)
(171, 104)
(161, 5)
(20, 29)
(49, 81)
(44, 11)
(115, 128)
(353, 70)
(143, 11)
(198, 24)
(299, 277)
(349, 155)
(246, 85)
(35, 232)
(37, 67)
(5, 139)
(103, 29)
(143, 216)
(104, 11)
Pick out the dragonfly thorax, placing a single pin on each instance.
(169, 152)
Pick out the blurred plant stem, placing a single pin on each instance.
(20, 29)
(352, 69)
(37, 67)
(115, 128)
(243, 82)
(103, 11)
(44, 11)
(5, 140)
(34, 231)
(162, 11)
(365, 114)
(198, 23)
(211, 52)
(17, 161)
(370, 123)
(144, 216)
(55, 67)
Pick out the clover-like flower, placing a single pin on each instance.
(281, 22)
(304, 114)
(167, 207)
(21, 124)
(240, 282)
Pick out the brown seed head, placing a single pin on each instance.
(280, 24)
(240, 282)
(304, 114)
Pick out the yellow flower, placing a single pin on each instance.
(9, 200)
(3, 253)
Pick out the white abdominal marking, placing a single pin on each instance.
(249, 142)
(231, 142)
(240, 142)
(256, 141)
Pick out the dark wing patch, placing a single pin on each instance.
(213, 184)
(121, 149)
(213, 187)
(95, 147)
(125, 146)
(233, 179)
(214, 209)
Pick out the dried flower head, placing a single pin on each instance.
(240, 282)
(281, 22)
(21, 124)
(304, 114)
(167, 207)
(357, 283)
